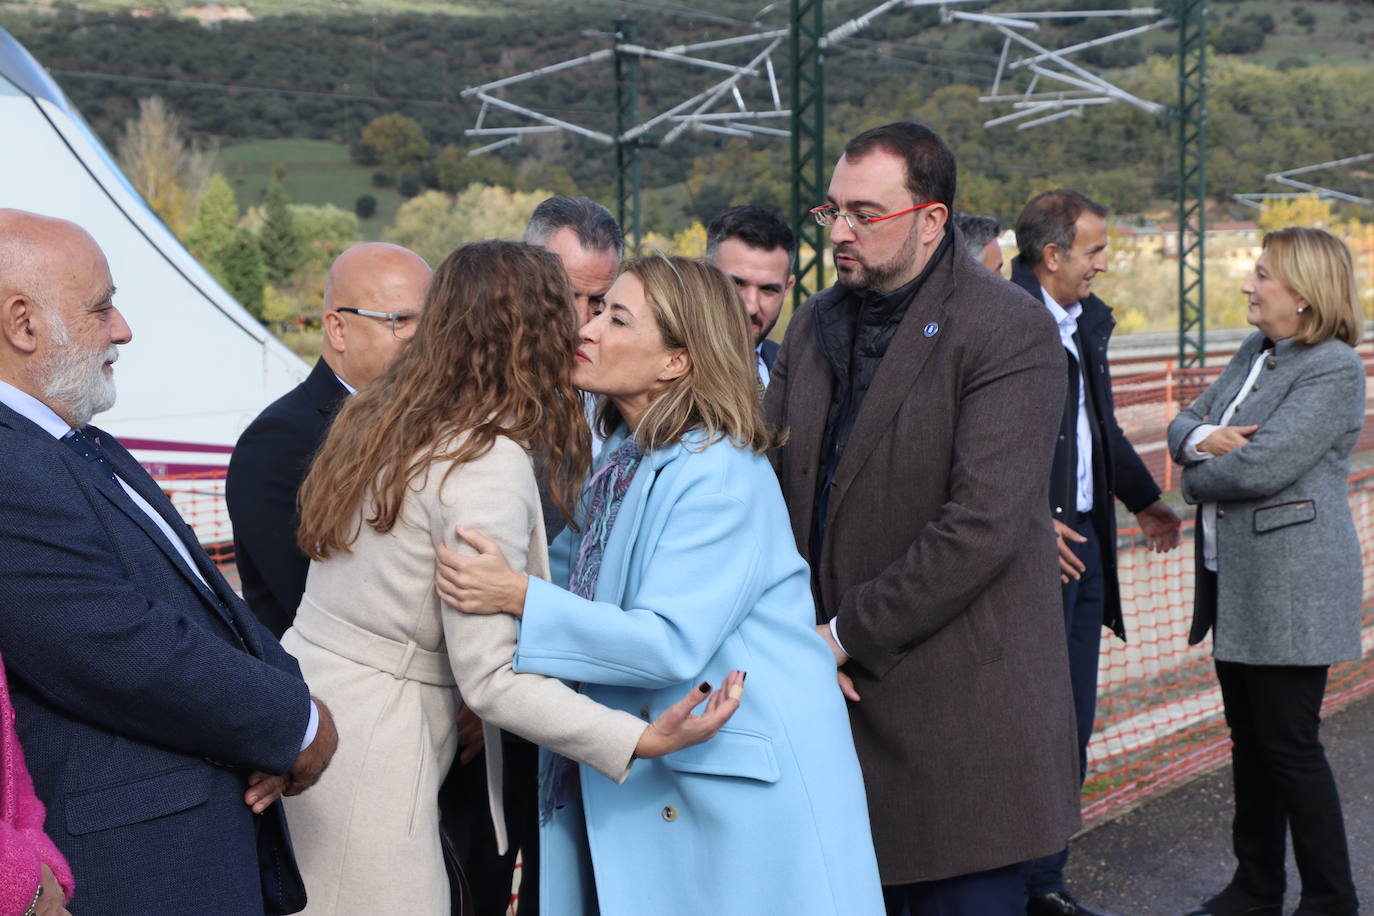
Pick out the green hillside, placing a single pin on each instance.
(316, 172)
(298, 83)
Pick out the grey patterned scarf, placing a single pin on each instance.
(558, 781)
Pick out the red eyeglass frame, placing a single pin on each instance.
(867, 221)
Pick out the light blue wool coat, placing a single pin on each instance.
(700, 576)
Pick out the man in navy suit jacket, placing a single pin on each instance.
(754, 248)
(1062, 236)
(161, 721)
(372, 303)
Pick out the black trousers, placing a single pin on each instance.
(463, 801)
(1085, 601)
(1283, 783)
(998, 892)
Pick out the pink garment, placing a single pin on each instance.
(24, 847)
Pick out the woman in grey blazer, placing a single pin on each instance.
(1266, 457)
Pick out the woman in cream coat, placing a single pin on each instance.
(444, 437)
(684, 569)
(1266, 456)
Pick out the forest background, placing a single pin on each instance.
(271, 135)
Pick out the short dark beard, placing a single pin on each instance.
(884, 281)
(762, 335)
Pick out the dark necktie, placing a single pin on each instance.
(86, 443)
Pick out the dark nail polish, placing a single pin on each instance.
(744, 676)
(704, 687)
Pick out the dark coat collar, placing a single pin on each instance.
(324, 389)
(136, 477)
(1095, 311)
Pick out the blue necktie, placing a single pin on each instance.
(86, 443)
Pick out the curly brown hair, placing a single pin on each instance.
(492, 356)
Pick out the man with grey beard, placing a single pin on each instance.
(161, 721)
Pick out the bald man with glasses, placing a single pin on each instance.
(372, 303)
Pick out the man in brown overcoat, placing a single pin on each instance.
(923, 396)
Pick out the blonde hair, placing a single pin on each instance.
(1316, 266)
(698, 310)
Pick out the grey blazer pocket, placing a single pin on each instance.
(1281, 515)
(137, 801)
(732, 752)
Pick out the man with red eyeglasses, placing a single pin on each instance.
(922, 393)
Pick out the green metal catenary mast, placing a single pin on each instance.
(627, 152)
(1192, 181)
(807, 59)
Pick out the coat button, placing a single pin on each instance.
(1255, 387)
(1271, 363)
(1221, 513)
(644, 712)
(669, 813)
(1058, 510)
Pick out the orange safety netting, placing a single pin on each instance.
(1159, 714)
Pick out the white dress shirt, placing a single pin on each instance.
(1067, 320)
(29, 407)
(1192, 453)
(589, 410)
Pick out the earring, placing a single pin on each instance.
(1301, 309)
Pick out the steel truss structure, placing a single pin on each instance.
(1056, 88)
(631, 135)
(1307, 189)
(1072, 88)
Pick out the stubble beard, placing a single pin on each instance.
(75, 379)
(760, 331)
(864, 276)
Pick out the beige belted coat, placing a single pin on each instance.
(378, 646)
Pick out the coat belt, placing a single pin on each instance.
(401, 660)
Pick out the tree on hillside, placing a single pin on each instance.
(454, 170)
(741, 173)
(282, 251)
(244, 272)
(689, 242)
(534, 174)
(325, 231)
(434, 223)
(1238, 38)
(213, 229)
(397, 141)
(170, 172)
(1308, 210)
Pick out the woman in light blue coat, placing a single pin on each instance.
(683, 567)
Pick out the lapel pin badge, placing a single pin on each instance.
(932, 329)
